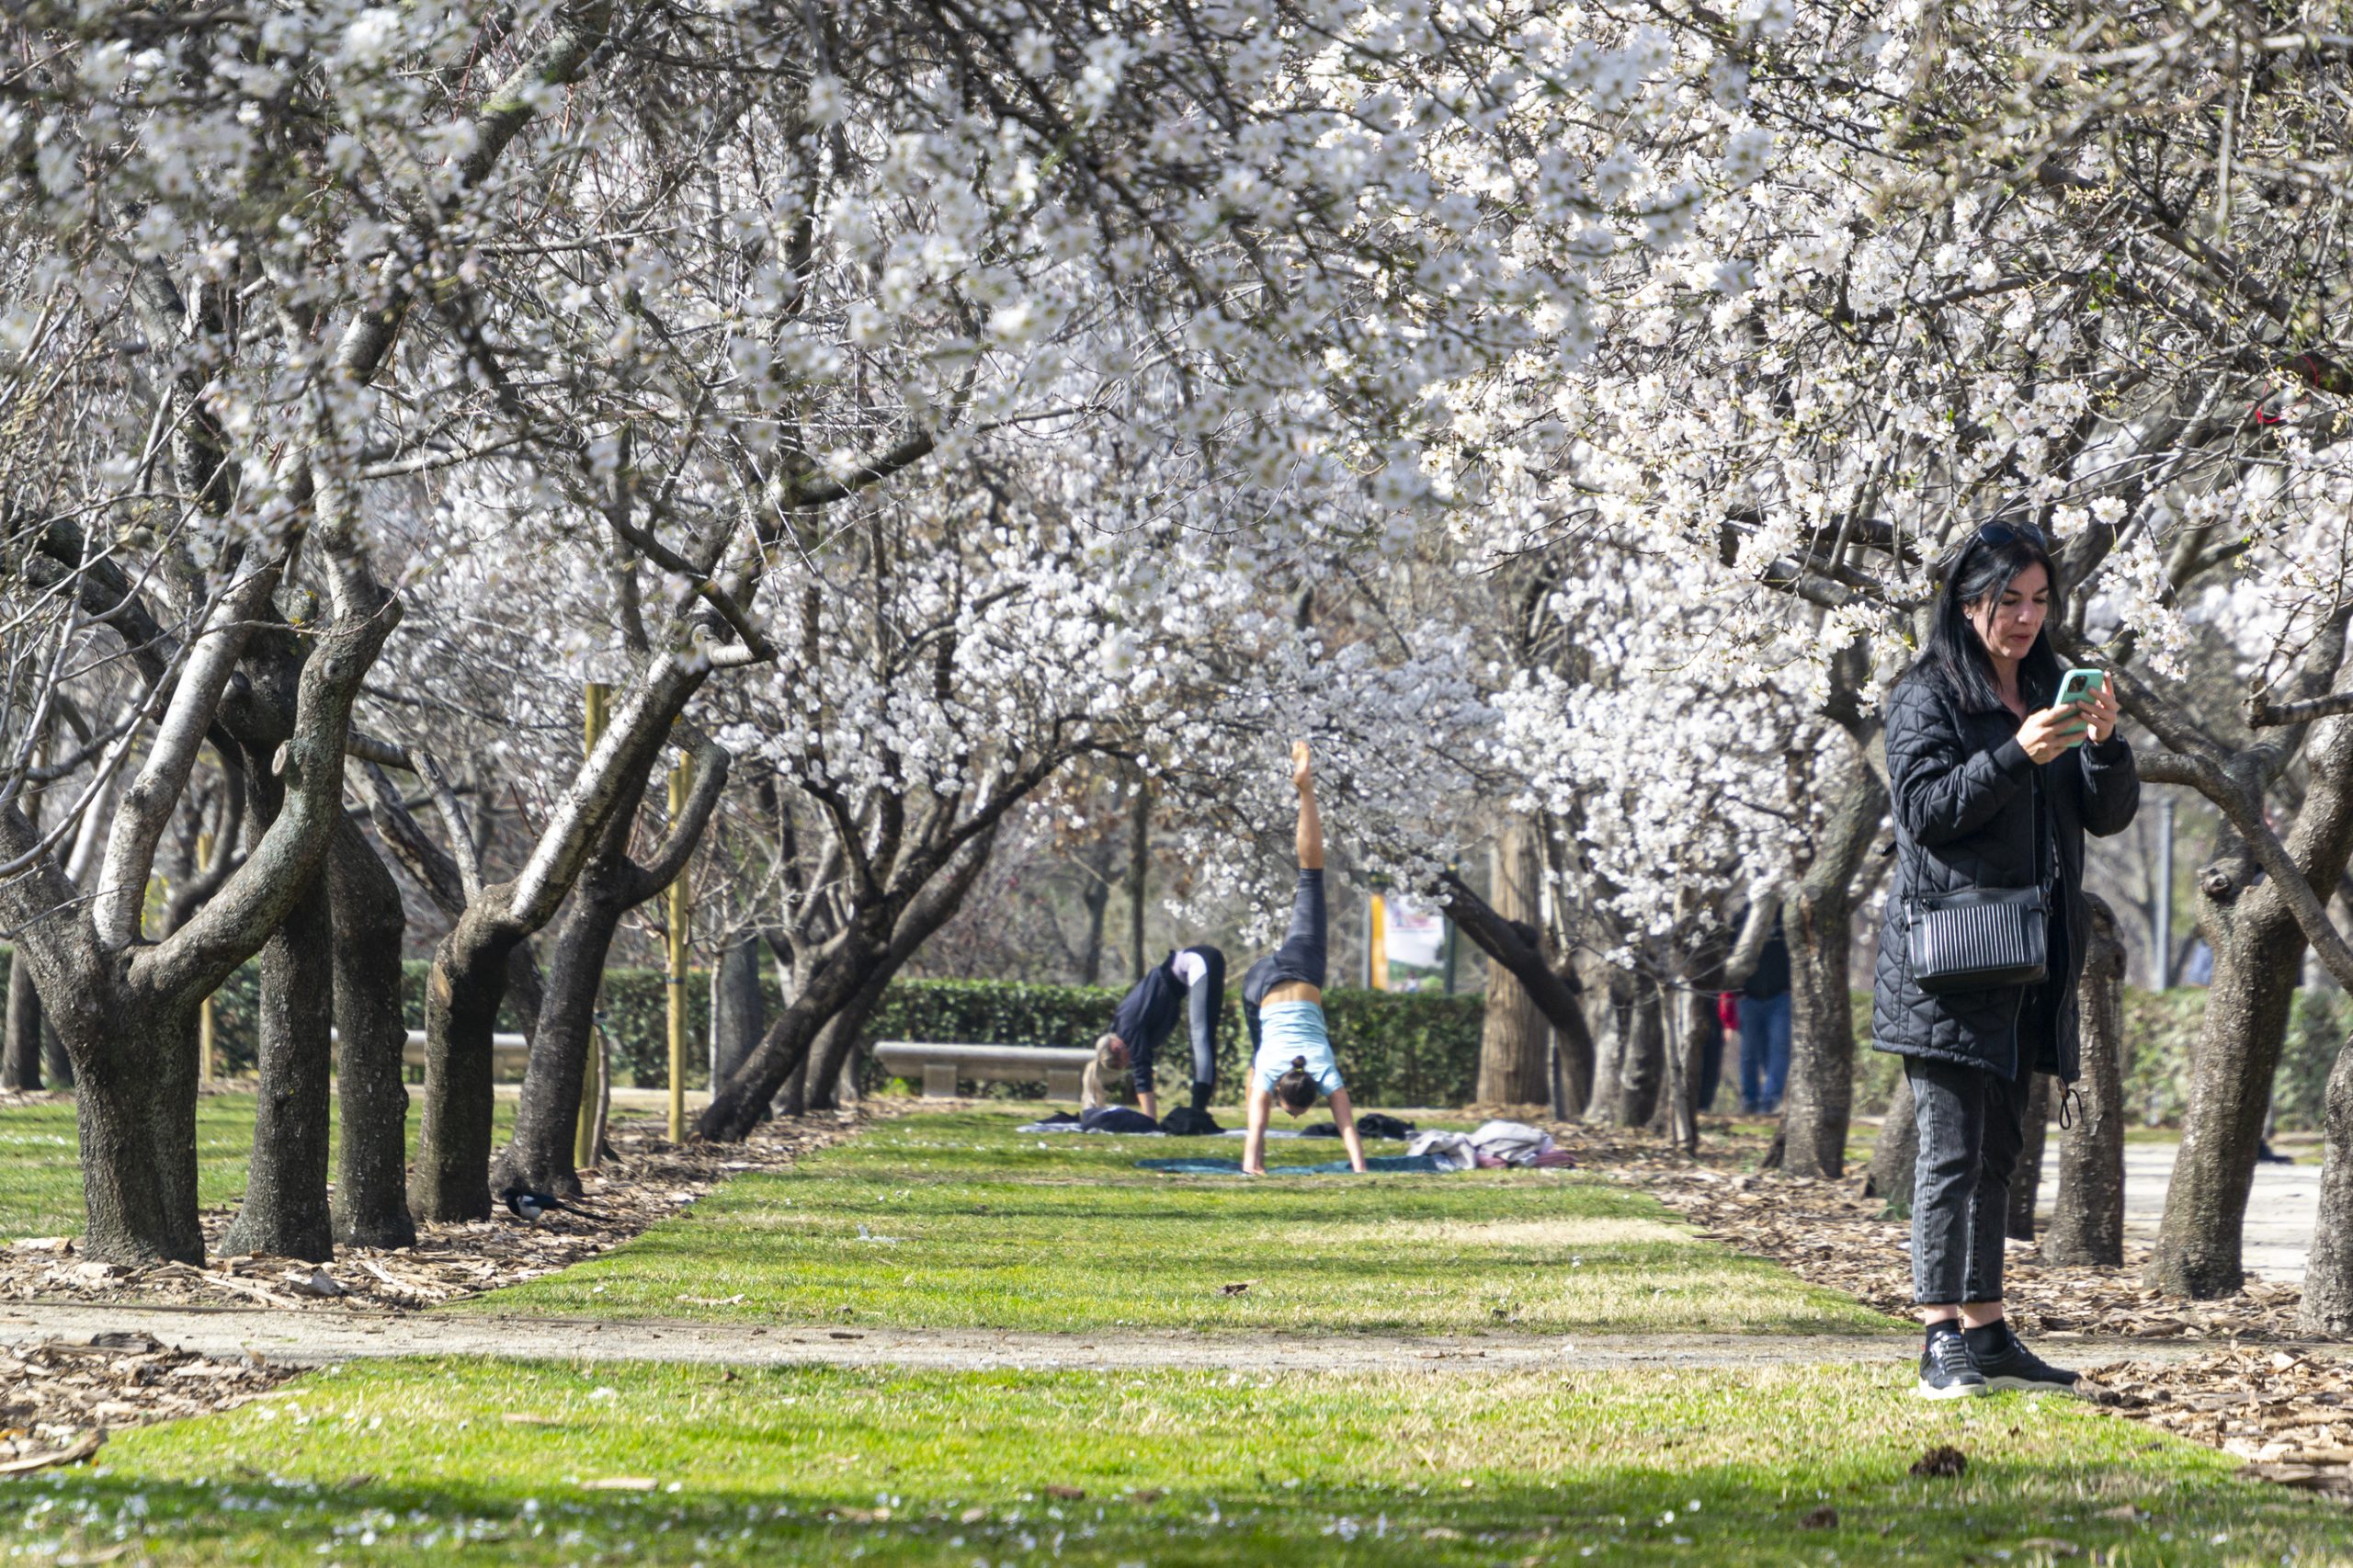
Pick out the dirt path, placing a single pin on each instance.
(314, 1338)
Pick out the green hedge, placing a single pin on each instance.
(1395, 1048)
(2159, 1035)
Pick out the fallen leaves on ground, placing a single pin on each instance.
(58, 1397)
(2290, 1415)
(1827, 1232)
(647, 1179)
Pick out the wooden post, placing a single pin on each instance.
(204, 1008)
(583, 1148)
(681, 780)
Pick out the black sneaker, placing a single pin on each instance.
(2005, 1363)
(1946, 1371)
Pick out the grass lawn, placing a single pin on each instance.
(427, 1461)
(955, 1221)
(41, 1192)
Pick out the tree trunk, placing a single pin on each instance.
(21, 1052)
(871, 952)
(1684, 1015)
(1607, 1099)
(2327, 1308)
(1514, 1042)
(738, 1011)
(1096, 900)
(370, 1206)
(2027, 1180)
(1818, 923)
(2087, 1223)
(55, 1059)
(2259, 953)
(135, 1107)
(285, 1212)
(463, 990)
(547, 1117)
(1517, 947)
(1139, 870)
(1896, 1155)
(2256, 959)
(1644, 1065)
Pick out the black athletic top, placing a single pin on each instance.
(1148, 1013)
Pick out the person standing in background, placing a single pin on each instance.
(1765, 1026)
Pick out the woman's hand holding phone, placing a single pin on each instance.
(2099, 711)
(2051, 731)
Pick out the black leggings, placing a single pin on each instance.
(1302, 955)
(1204, 1010)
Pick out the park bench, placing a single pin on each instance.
(509, 1054)
(940, 1066)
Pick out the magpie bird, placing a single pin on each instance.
(525, 1204)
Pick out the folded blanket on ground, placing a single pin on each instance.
(1335, 1167)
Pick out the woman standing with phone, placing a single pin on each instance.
(1995, 782)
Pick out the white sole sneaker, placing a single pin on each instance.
(1953, 1391)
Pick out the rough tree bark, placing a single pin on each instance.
(1643, 1067)
(832, 1048)
(128, 1018)
(738, 1010)
(1518, 946)
(285, 1212)
(469, 976)
(1514, 1043)
(1685, 1016)
(2027, 1180)
(371, 1200)
(2327, 1306)
(541, 1154)
(2087, 1224)
(871, 945)
(2258, 907)
(1818, 923)
(20, 1054)
(1607, 1096)
(1896, 1155)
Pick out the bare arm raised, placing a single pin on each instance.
(1311, 825)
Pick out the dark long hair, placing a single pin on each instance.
(1296, 1088)
(1985, 570)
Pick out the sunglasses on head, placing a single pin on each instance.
(1998, 534)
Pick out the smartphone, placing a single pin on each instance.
(2078, 686)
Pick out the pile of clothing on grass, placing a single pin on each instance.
(1493, 1145)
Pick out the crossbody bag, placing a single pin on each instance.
(1985, 939)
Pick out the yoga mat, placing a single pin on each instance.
(1336, 1167)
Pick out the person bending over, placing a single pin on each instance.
(1282, 1002)
(1189, 983)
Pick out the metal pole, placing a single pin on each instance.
(584, 1147)
(681, 779)
(2161, 932)
(204, 1008)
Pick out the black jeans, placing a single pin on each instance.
(1973, 1125)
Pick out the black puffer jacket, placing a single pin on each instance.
(1963, 796)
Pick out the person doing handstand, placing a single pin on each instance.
(1282, 1002)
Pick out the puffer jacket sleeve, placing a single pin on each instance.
(2111, 786)
(1941, 788)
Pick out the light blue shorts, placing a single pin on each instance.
(1294, 1029)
